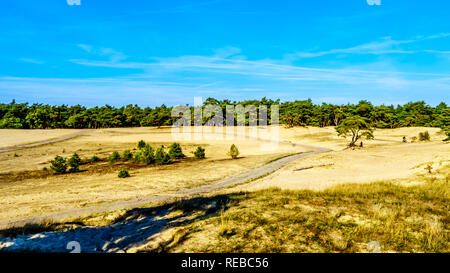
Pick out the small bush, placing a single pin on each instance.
(95, 158)
(424, 136)
(234, 152)
(123, 174)
(127, 155)
(16, 155)
(175, 151)
(137, 156)
(58, 165)
(161, 157)
(414, 139)
(199, 153)
(141, 144)
(147, 155)
(114, 157)
(74, 163)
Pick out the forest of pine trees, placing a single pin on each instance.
(295, 113)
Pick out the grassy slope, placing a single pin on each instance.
(342, 219)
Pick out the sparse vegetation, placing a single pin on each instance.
(95, 158)
(234, 152)
(147, 155)
(161, 157)
(58, 165)
(141, 144)
(127, 155)
(123, 173)
(199, 153)
(424, 136)
(74, 163)
(114, 157)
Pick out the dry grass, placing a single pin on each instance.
(344, 218)
(341, 219)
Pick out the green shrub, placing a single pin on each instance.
(114, 157)
(127, 155)
(137, 156)
(234, 152)
(58, 165)
(424, 136)
(161, 157)
(95, 158)
(199, 153)
(74, 163)
(123, 174)
(175, 151)
(141, 144)
(147, 155)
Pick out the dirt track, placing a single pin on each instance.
(221, 184)
(24, 146)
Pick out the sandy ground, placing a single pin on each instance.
(384, 158)
(22, 195)
(15, 137)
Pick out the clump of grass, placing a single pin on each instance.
(95, 158)
(123, 174)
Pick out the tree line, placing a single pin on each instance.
(292, 113)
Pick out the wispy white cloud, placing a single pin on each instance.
(227, 73)
(113, 55)
(34, 61)
(385, 45)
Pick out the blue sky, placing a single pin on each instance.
(159, 51)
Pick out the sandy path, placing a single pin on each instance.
(221, 184)
(24, 146)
